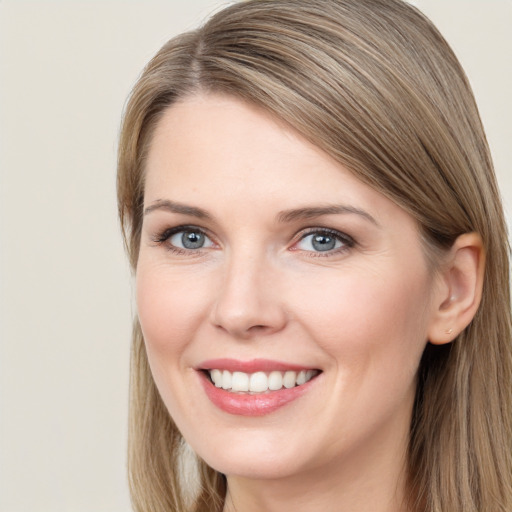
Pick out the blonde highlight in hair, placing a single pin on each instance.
(373, 84)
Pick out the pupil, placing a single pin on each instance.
(192, 240)
(323, 242)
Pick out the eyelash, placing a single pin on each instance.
(347, 241)
(164, 237)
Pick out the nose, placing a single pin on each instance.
(248, 303)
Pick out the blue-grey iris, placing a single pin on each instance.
(323, 242)
(192, 240)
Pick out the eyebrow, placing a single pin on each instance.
(284, 216)
(318, 211)
(174, 207)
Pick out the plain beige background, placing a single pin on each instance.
(66, 68)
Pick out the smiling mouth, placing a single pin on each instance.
(259, 382)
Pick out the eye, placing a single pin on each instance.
(190, 239)
(183, 239)
(324, 241)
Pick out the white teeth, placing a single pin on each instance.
(289, 380)
(216, 376)
(239, 382)
(226, 380)
(301, 378)
(260, 382)
(275, 381)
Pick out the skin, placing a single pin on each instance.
(361, 313)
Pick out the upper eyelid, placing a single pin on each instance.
(335, 232)
(165, 234)
(302, 232)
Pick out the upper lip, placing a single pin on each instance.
(252, 366)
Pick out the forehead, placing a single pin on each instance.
(233, 133)
(220, 152)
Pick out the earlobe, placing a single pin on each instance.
(460, 289)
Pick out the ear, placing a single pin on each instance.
(459, 290)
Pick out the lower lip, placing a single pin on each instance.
(243, 404)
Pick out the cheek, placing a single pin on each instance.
(364, 316)
(374, 330)
(170, 308)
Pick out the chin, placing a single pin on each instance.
(259, 458)
(256, 469)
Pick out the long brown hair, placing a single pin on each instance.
(373, 84)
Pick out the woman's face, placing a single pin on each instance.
(264, 263)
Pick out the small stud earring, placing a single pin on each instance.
(449, 331)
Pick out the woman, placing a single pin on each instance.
(311, 212)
